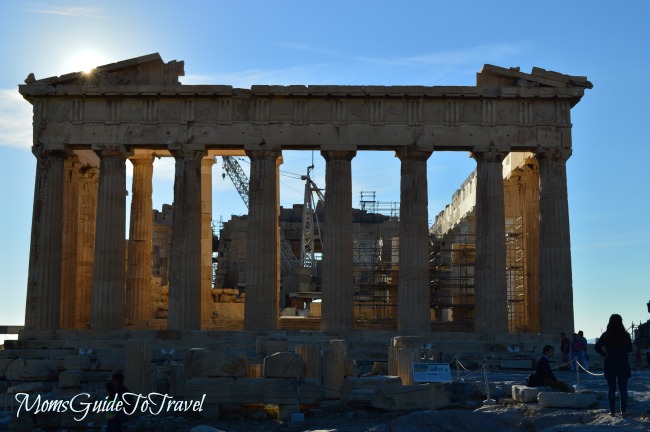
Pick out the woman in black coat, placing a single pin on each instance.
(614, 345)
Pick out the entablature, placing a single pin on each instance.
(139, 102)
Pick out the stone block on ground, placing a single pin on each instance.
(267, 345)
(273, 391)
(362, 390)
(567, 400)
(70, 378)
(77, 362)
(34, 387)
(406, 342)
(199, 362)
(416, 397)
(525, 394)
(284, 365)
(33, 370)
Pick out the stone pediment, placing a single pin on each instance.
(145, 70)
(495, 76)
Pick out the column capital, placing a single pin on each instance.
(141, 156)
(338, 154)
(412, 152)
(41, 151)
(263, 154)
(208, 160)
(553, 154)
(490, 153)
(111, 151)
(188, 153)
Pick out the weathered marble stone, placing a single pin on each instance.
(274, 391)
(204, 363)
(265, 346)
(567, 400)
(417, 397)
(284, 365)
(77, 362)
(70, 378)
(33, 370)
(525, 394)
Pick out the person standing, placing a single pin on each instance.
(615, 345)
(577, 352)
(565, 349)
(585, 354)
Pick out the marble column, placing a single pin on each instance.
(337, 291)
(69, 242)
(531, 243)
(207, 303)
(261, 309)
(109, 272)
(139, 307)
(88, 188)
(490, 290)
(555, 279)
(414, 291)
(185, 272)
(42, 311)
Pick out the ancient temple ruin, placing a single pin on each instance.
(86, 125)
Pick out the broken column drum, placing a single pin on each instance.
(121, 110)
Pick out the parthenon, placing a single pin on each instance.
(87, 124)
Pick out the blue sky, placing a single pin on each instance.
(241, 43)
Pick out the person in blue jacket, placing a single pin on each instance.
(615, 345)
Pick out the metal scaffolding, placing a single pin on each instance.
(515, 275)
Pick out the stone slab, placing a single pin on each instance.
(77, 362)
(416, 397)
(284, 365)
(362, 390)
(275, 391)
(525, 394)
(265, 345)
(70, 378)
(567, 400)
(200, 362)
(33, 370)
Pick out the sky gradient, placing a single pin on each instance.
(241, 43)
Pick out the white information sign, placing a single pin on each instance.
(431, 372)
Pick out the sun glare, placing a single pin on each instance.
(84, 61)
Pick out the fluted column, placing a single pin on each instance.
(185, 272)
(139, 306)
(337, 292)
(261, 309)
(207, 303)
(490, 290)
(88, 188)
(531, 244)
(69, 242)
(109, 273)
(414, 292)
(42, 309)
(555, 279)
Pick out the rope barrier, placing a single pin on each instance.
(590, 373)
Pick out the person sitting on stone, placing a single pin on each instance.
(545, 375)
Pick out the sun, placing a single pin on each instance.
(85, 61)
